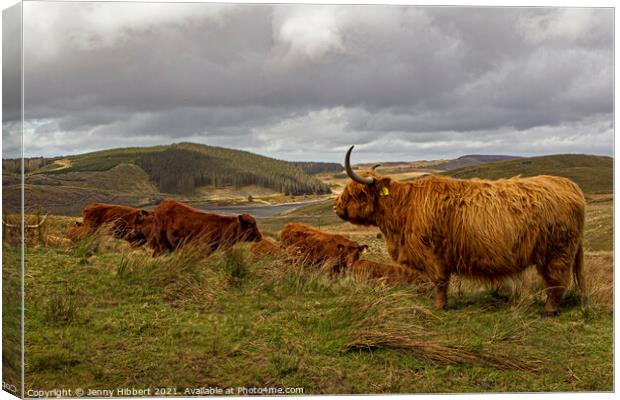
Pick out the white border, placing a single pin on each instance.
(507, 3)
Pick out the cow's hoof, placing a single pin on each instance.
(549, 314)
(440, 306)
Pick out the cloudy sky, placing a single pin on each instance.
(305, 82)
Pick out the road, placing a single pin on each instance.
(258, 211)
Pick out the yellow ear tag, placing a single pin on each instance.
(365, 250)
(385, 191)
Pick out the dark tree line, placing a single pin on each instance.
(13, 165)
(318, 167)
(179, 170)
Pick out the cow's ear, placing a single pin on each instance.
(247, 219)
(383, 186)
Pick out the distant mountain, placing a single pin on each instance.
(471, 159)
(591, 173)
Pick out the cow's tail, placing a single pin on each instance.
(578, 272)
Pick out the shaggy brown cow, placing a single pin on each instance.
(120, 218)
(391, 274)
(175, 224)
(265, 248)
(478, 228)
(312, 246)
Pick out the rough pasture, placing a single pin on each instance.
(101, 313)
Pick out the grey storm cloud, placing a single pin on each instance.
(304, 82)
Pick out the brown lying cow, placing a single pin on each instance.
(391, 274)
(120, 218)
(265, 248)
(312, 246)
(174, 224)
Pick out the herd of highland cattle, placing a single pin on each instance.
(433, 227)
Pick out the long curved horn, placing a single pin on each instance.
(353, 175)
(374, 167)
(34, 226)
(10, 225)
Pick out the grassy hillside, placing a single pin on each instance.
(69, 192)
(181, 168)
(591, 173)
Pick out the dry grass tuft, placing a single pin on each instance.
(182, 277)
(388, 321)
(599, 278)
(419, 344)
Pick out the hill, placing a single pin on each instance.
(181, 168)
(471, 159)
(591, 173)
(425, 166)
(142, 175)
(67, 193)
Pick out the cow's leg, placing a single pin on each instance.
(159, 246)
(440, 277)
(557, 277)
(441, 292)
(158, 249)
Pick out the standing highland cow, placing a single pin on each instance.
(477, 228)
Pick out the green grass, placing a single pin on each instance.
(101, 315)
(11, 317)
(591, 173)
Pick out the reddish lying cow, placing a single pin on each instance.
(120, 218)
(265, 248)
(391, 274)
(312, 246)
(174, 224)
